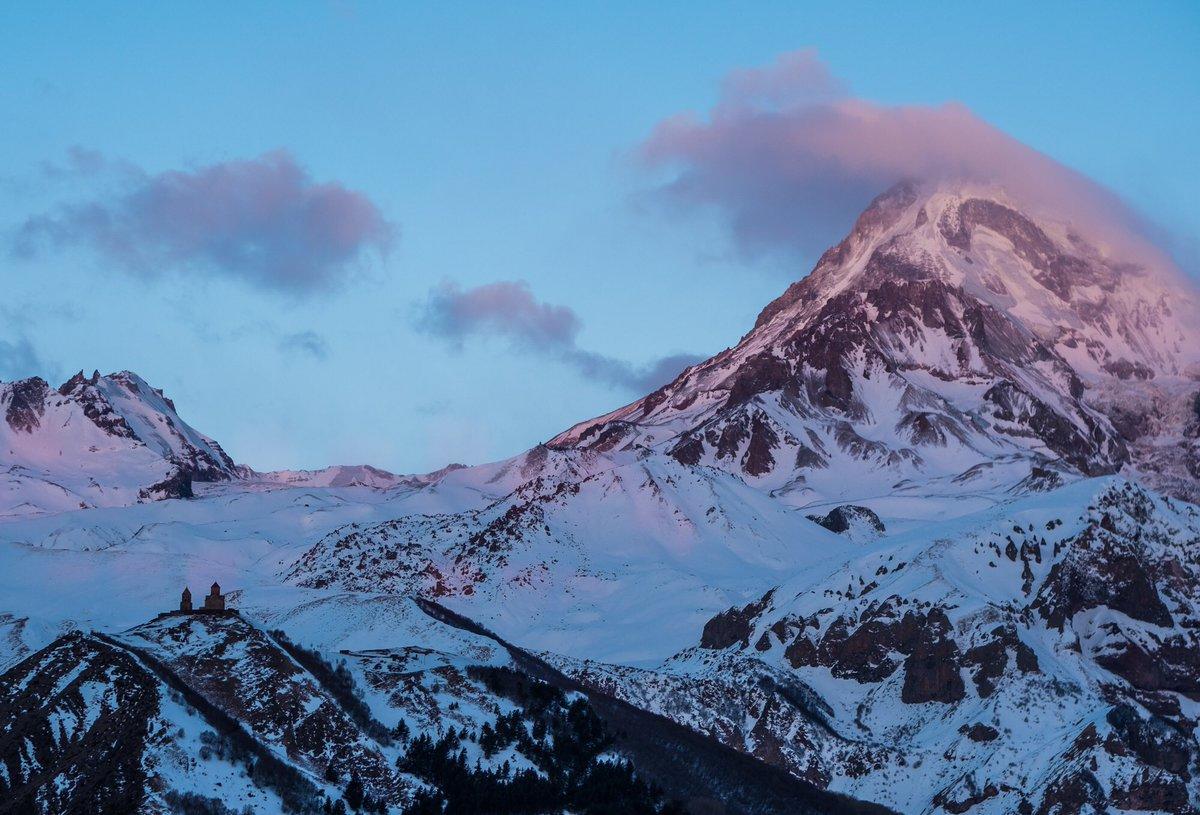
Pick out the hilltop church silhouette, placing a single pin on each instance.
(215, 601)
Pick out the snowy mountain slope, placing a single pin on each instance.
(213, 705)
(1032, 651)
(373, 618)
(98, 441)
(126, 401)
(114, 567)
(645, 546)
(953, 365)
(253, 679)
(930, 367)
(362, 475)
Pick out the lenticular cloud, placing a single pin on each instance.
(790, 158)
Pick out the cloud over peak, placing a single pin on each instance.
(790, 157)
(263, 220)
(509, 309)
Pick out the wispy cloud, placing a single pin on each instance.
(790, 157)
(304, 342)
(80, 161)
(508, 309)
(262, 220)
(19, 359)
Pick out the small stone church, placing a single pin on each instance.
(215, 601)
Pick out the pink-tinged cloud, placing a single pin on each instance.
(797, 78)
(262, 220)
(790, 158)
(508, 309)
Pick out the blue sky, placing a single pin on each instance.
(497, 142)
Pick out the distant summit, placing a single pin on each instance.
(98, 441)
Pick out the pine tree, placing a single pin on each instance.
(354, 792)
(487, 740)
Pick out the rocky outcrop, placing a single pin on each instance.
(992, 659)
(95, 406)
(177, 485)
(880, 643)
(733, 626)
(849, 518)
(26, 404)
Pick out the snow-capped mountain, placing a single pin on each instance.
(948, 331)
(98, 441)
(922, 539)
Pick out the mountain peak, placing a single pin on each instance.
(950, 327)
(1110, 314)
(78, 381)
(117, 427)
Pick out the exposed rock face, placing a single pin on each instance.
(850, 519)
(95, 406)
(931, 671)
(732, 627)
(989, 661)
(1101, 570)
(26, 404)
(177, 485)
(882, 642)
(980, 732)
(983, 330)
(1112, 593)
